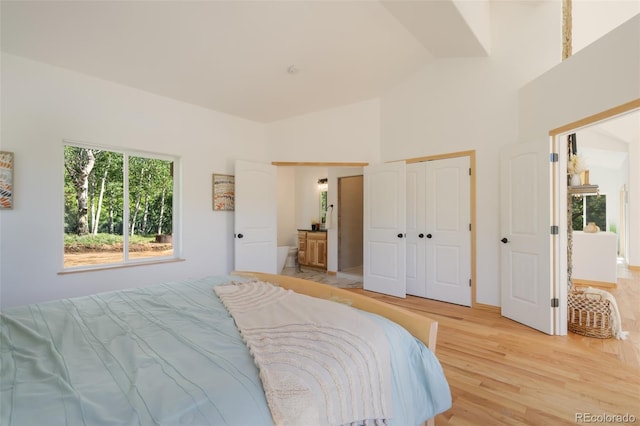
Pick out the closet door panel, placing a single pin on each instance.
(415, 243)
(448, 242)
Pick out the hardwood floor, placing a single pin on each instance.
(504, 373)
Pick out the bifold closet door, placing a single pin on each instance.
(438, 243)
(448, 230)
(416, 226)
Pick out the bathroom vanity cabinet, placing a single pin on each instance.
(312, 248)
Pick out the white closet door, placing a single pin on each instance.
(416, 241)
(448, 234)
(384, 228)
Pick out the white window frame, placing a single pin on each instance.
(584, 211)
(176, 207)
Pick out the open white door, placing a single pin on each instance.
(384, 229)
(256, 218)
(525, 240)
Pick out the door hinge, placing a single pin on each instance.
(469, 171)
(555, 302)
(554, 157)
(555, 230)
(469, 282)
(469, 227)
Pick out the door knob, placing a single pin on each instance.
(240, 235)
(429, 235)
(504, 240)
(399, 235)
(420, 235)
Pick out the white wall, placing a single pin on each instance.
(633, 243)
(592, 19)
(345, 134)
(286, 206)
(471, 104)
(581, 87)
(603, 76)
(606, 158)
(477, 15)
(41, 106)
(307, 195)
(609, 183)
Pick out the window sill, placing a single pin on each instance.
(118, 266)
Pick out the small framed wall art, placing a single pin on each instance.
(6, 180)
(223, 192)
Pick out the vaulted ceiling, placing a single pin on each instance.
(261, 60)
(610, 144)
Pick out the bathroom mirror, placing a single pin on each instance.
(323, 209)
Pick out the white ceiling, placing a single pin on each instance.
(625, 128)
(232, 56)
(607, 143)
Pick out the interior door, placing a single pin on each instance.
(448, 232)
(256, 220)
(416, 218)
(349, 215)
(384, 229)
(526, 282)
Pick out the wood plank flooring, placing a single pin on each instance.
(504, 373)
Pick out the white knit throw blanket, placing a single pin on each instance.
(320, 362)
(616, 321)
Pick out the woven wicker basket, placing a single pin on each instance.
(589, 314)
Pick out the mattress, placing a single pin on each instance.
(166, 354)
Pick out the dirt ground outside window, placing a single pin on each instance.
(80, 256)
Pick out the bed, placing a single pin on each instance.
(174, 354)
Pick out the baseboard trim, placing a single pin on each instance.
(332, 273)
(634, 267)
(602, 284)
(487, 308)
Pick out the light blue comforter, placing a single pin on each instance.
(168, 354)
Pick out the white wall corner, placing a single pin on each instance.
(477, 15)
(446, 28)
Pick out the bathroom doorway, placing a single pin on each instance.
(350, 224)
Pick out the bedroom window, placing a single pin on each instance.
(589, 208)
(118, 207)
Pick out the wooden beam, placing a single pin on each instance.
(567, 29)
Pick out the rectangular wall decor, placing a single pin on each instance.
(223, 192)
(6, 180)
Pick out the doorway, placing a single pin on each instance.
(350, 235)
(299, 200)
(617, 123)
(607, 147)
